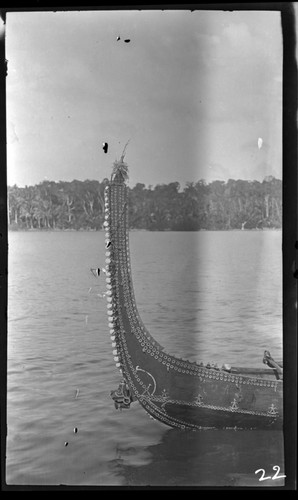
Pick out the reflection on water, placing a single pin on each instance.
(208, 296)
(204, 458)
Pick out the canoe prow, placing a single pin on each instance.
(177, 392)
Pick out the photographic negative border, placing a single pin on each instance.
(289, 14)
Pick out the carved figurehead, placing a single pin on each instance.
(120, 168)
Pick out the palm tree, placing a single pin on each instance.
(30, 206)
(15, 202)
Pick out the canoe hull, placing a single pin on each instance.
(175, 391)
(196, 418)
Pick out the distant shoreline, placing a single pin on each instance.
(36, 230)
(80, 206)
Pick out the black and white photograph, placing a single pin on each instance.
(145, 207)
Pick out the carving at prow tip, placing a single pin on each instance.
(120, 168)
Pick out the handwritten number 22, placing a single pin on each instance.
(276, 476)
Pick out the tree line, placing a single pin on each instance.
(218, 205)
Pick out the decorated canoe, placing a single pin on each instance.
(180, 393)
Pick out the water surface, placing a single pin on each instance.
(209, 296)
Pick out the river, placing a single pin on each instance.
(209, 296)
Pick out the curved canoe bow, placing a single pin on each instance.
(177, 392)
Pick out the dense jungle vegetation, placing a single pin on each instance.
(219, 205)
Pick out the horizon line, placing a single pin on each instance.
(157, 184)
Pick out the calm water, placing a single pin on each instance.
(210, 296)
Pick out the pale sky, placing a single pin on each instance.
(193, 91)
